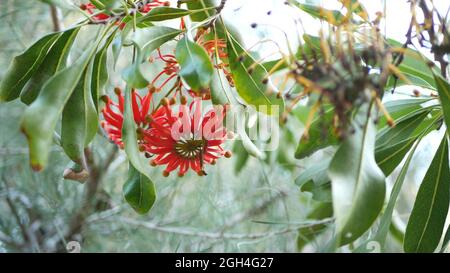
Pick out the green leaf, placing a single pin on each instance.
(307, 234)
(24, 66)
(251, 87)
(358, 185)
(163, 13)
(443, 88)
(320, 135)
(139, 191)
(333, 17)
(220, 87)
(389, 154)
(200, 5)
(386, 219)
(316, 181)
(426, 223)
(79, 119)
(133, 75)
(415, 67)
(39, 120)
(100, 71)
(54, 61)
(196, 68)
(401, 131)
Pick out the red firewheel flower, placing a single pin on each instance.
(89, 8)
(113, 114)
(185, 138)
(156, 3)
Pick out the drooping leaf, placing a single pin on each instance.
(79, 119)
(140, 192)
(254, 88)
(100, 74)
(426, 223)
(358, 185)
(24, 66)
(163, 13)
(196, 68)
(443, 87)
(39, 120)
(54, 61)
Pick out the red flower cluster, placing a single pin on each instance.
(92, 9)
(182, 138)
(178, 136)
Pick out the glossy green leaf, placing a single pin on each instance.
(386, 224)
(196, 68)
(316, 181)
(443, 87)
(426, 223)
(307, 234)
(252, 87)
(201, 5)
(54, 61)
(79, 119)
(141, 192)
(320, 135)
(163, 13)
(100, 74)
(401, 131)
(220, 87)
(24, 66)
(358, 185)
(39, 120)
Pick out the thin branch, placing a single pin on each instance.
(221, 235)
(54, 12)
(258, 209)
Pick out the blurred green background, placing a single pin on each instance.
(243, 205)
